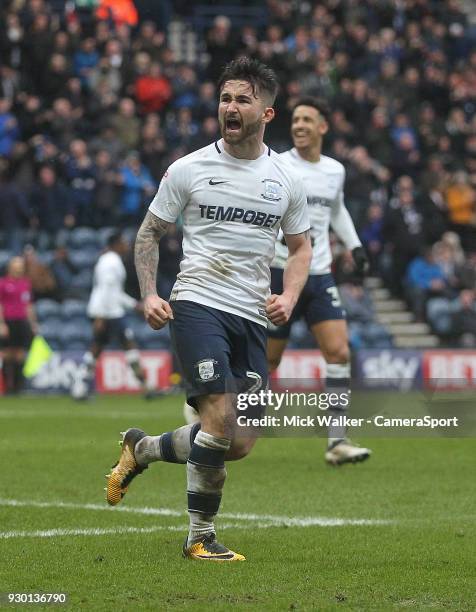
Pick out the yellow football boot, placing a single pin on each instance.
(125, 469)
(208, 549)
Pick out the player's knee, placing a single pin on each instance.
(240, 447)
(212, 409)
(339, 353)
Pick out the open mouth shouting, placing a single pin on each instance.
(232, 125)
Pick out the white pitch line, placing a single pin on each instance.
(261, 520)
(97, 531)
(100, 507)
(52, 533)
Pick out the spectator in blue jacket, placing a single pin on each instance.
(371, 234)
(85, 60)
(424, 278)
(9, 131)
(138, 187)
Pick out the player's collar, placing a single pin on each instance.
(221, 149)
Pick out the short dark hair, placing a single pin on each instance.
(114, 239)
(317, 103)
(258, 75)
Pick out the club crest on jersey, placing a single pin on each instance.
(206, 369)
(272, 190)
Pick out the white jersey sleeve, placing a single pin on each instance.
(296, 218)
(323, 183)
(173, 193)
(342, 224)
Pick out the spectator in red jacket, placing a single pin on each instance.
(120, 11)
(152, 90)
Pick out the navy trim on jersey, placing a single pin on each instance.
(218, 149)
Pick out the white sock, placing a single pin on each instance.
(337, 381)
(206, 475)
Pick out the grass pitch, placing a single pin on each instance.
(280, 508)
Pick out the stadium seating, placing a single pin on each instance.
(73, 309)
(84, 258)
(81, 237)
(76, 335)
(103, 234)
(52, 332)
(47, 310)
(153, 339)
(359, 92)
(82, 282)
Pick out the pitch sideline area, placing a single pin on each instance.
(394, 533)
(244, 521)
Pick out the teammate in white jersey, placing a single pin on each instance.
(107, 308)
(323, 179)
(233, 196)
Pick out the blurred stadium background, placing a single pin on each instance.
(97, 98)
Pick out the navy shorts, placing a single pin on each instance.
(217, 352)
(112, 330)
(319, 301)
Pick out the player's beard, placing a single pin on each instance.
(245, 132)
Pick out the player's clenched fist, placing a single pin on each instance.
(279, 309)
(157, 312)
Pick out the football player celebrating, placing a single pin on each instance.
(233, 196)
(319, 302)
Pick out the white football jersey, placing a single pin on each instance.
(108, 299)
(232, 210)
(324, 186)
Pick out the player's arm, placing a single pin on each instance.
(157, 311)
(31, 315)
(280, 307)
(343, 226)
(3, 325)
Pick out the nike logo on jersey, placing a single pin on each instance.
(212, 182)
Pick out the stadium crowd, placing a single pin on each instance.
(94, 106)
